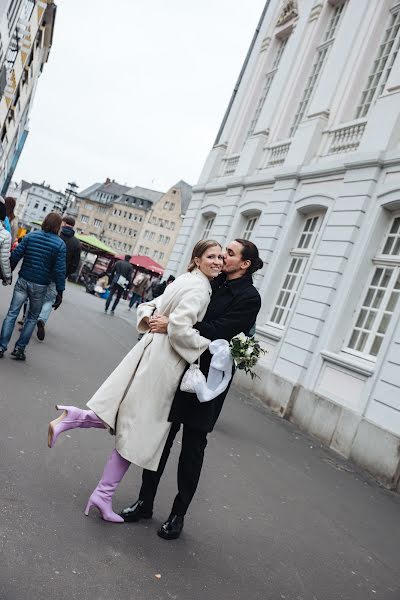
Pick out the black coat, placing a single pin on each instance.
(233, 308)
(74, 249)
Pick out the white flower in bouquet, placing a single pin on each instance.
(246, 352)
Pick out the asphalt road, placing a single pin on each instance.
(275, 516)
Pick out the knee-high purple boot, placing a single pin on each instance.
(71, 418)
(101, 497)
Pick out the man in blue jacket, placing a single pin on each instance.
(44, 259)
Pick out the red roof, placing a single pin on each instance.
(146, 263)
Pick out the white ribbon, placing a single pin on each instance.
(220, 372)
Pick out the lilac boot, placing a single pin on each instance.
(71, 418)
(101, 498)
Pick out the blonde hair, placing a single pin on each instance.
(199, 249)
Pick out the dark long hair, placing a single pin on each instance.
(250, 252)
(10, 205)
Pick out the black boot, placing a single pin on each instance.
(171, 529)
(18, 353)
(41, 332)
(137, 511)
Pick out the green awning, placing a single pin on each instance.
(91, 240)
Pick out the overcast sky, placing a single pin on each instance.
(135, 90)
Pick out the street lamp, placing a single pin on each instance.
(70, 195)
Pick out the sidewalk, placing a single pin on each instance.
(276, 515)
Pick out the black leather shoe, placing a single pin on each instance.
(137, 511)
(18, 354)
(171, 529)
(1, 353)
(41, 332)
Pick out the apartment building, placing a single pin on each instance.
(26, 31)
(39, 199)
(163, 221)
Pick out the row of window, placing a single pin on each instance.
(162, 239)
(169, 205)
(126, 214)
(376, 80)
(162, 223)
(247, 233)
(118, 245)
(157, 254)
(122, 229)
(378, 300)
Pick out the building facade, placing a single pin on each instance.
(135, 221)
(38, 200)
(159, 232)
(127, 217)
(26, 30)
(307, 165)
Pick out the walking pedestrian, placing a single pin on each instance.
(5, 246)
(233, 309)
(134, 402)
(139, 285)
(121, 277)
(74, 248)
(44, 257)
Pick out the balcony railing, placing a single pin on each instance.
(229, 165)
(345, 138)
(276, 154)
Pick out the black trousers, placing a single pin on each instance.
(115, 288)
(191, 458)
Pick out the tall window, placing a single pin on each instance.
(207, 228)
(380, 298)
(269, 77)
(316, 69)
(382, 66)
(249, 228)
(299, 258)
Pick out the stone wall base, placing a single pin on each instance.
(347, 433)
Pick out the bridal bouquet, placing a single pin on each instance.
(245, 353)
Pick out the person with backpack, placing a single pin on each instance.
(121, 277)
(74, 248)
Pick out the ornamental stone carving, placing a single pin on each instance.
(289, 12)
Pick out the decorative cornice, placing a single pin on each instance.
(289, 11)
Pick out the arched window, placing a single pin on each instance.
(380, 298)
(250, 226)
(319, 61)
(299, 257)
(208, 226)
(382, 65)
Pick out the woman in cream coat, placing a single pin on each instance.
(135, 401)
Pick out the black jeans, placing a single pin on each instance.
(191, 458)
(115, 288)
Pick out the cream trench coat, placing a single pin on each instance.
(136, 398)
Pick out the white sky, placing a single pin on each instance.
(135, 90)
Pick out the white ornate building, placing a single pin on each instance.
(307, 165)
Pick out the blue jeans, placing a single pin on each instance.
(23, 290)
(136, 298)
(49, 300)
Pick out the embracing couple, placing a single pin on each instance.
(141, 401)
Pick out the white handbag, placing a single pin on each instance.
(192, 378)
